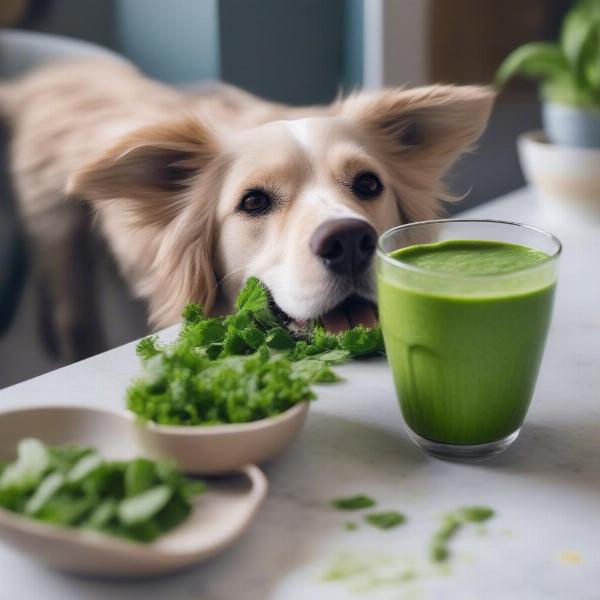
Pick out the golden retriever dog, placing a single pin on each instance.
(196, 191)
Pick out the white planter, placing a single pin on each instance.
(567, 179)
(571, 125)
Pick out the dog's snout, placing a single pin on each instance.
(344, 245)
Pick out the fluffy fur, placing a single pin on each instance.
(164, 171)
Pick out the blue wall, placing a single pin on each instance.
(174, 40)
(353, 44)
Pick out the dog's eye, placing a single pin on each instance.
(255, 202)
(366, 185)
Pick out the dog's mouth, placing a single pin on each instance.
(349, 313)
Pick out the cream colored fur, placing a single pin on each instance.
(164, 171)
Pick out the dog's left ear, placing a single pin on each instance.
(433, 125)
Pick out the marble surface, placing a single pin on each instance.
(543, 544)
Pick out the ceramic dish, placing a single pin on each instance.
(220, 448)
(218, 517)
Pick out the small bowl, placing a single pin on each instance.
(209, 449)
(217, 519)
(567, 178)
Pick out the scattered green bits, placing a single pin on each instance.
(73, 486)
(476, 514)
(385, 520)
(451, 525)
(350, 526)
(353, 503)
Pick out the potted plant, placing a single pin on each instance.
(569, 71)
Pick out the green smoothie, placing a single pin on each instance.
(465, 342)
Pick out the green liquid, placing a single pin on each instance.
(465, 366)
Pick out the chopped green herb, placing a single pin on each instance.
(386, 520)
(73, 486)
(353, 503)
(238, 368)
(350, 526)
(476, 514)
(451, 525)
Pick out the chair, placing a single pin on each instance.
(19, 52)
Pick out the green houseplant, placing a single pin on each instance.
(569, 70)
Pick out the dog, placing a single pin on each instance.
(196, 191)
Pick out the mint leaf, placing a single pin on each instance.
(32, 461)
(353, 502)
(361, 341)
(47, 488)
(280, 338)
(102, 514)
(314, 371)
(144, 506)
(86, 465)
(140, 475)
(476, 514)
(253, 336)
(386, 520)
(253, 297)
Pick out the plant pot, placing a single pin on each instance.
(566, 179)
(571, 125)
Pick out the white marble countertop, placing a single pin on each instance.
(543, 544)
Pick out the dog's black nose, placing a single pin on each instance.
(344, 245)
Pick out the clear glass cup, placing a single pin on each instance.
(465, 350)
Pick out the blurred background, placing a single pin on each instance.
(295, 51)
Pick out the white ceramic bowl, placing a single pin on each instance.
(217, 519)
(209, 449)
(567, 179)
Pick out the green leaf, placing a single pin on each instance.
(314, 371)
(386, 520)
(476, 514)
(253, 297)
(361, 341)
(144, 506)
(140, 475)
(25, 473)
(253, 336)
(47, 488)
(147, 347)
(353, 502)
(65, 509)
(580, 24)
(536, 59)
(280, 338)
(102, 514)
(86, 465)
(192, 314)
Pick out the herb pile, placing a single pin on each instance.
(238, 368)
(73, 486)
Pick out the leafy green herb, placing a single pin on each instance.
(476, 514)
(569, 67)
(353, 503)
(350, 526)
(240, 367)
(451, 525)
(73, 486)
(386, 520)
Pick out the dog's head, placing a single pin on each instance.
(298, 203)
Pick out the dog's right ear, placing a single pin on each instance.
(150, 168)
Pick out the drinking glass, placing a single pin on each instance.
(465, 350)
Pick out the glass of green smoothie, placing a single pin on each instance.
(465, 306)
